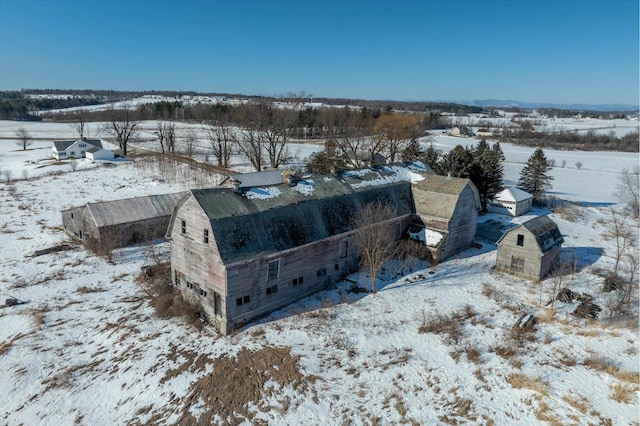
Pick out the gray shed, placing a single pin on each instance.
(122, 222)
(530, 250)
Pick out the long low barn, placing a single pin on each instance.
(121, 222)
(240, 254)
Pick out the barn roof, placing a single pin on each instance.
(133, 209)
(284, 217)
(544, 230)
(441, 194)
(512, 195)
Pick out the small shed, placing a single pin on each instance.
(511, 201)
(530, 250)
(122, 222)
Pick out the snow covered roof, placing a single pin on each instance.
(512, 195)
(285, 217)
(133, 209)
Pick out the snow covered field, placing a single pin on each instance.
(431, 347)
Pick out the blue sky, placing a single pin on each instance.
(562, 51)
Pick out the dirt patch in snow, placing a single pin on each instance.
(237, 384)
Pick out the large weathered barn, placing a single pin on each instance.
(121, 222)
(242, 254)
(531, 249)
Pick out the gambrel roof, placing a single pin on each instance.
(441, 193)
(245, 226)
(544, 230)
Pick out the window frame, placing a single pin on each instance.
(520, 240)
(270, 274)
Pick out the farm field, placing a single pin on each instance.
(434, 346)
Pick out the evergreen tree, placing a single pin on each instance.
(431, 157)
(412, 151)
(534, 178)
(486, 171)
(456, 163)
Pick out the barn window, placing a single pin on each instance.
(273, 269)
(217, 303)
(344, 248)
(297, 281)
(183, 226)
(71, 215)
(206, 236)
(189, 285)
(517, 264)
(321, 272)
(520, 240)
(272, 290)
(203, 293)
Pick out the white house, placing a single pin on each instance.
(511, 201)
(63, 150)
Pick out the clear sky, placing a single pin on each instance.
(560, 51)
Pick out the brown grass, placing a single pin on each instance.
(622, 393)
(447, 325)
(5, 346)
(520, 381)
(602, 364)
(238, 383)
(579, 404)
(85, 289)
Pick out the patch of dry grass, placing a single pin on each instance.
(621, 392)
(520, 381)
(237, 383)
(604, 365)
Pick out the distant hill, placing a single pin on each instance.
(537, 105)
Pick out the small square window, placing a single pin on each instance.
(321, 272)
(520, 240)
(246, 299)
(239, 301)
(203, 293)
(183, 226)
(272, 290)
(206, 236)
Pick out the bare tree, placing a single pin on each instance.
(251, 147)
(373, 224)
(619, 230)
(628, 190)
(190, 143)
(223, 140)
(79, 123)
(122, 127)
(24, 138)
(396, 130)
(166, 132)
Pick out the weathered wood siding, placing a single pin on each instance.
(462, 226)
(79, 223)
(197, 264)
(318, 264)
(508, 249)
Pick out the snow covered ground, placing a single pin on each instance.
(434, 346)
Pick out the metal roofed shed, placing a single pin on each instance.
(122, 222)
(256, 179)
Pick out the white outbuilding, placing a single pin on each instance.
(99, 154)
(511, 201)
